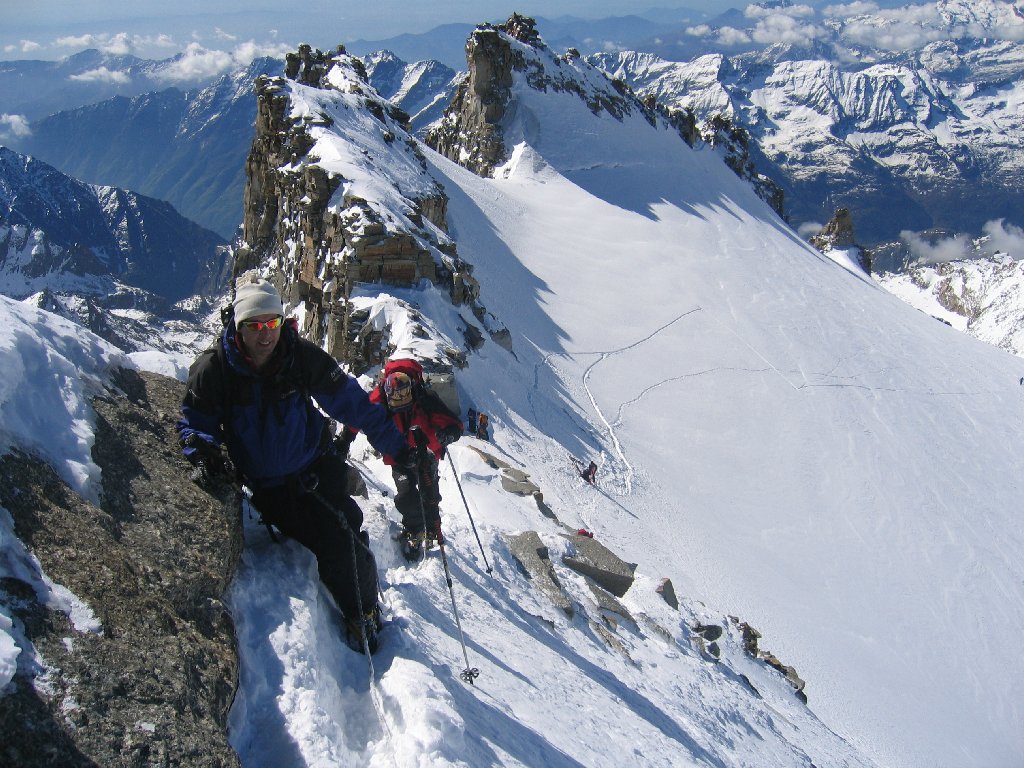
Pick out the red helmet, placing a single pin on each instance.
(398, 389)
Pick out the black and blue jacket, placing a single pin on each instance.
(268, 421)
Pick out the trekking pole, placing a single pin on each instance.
(455, 472)
(469, 674)
(421, 453)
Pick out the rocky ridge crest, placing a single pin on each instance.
(310, 223)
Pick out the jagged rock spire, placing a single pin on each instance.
(838, 235)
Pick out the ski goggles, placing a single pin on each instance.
(258, 325)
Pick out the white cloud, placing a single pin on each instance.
(954, 248)
(118, 44)
(809, 229)
(898, 36)
(220, 34)
(1000, 238)
(845, 10)
(198, 63)
(27, 46)
(14, 126)
(700, 30)
(781, 28)
(80, 41)
(793, 11)
(732, 36)
(155, 41)
(103, 75)
(1004, 238)
(250, 50)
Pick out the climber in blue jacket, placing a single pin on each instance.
(253, 393)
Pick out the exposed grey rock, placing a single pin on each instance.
(668, 593)
(609, 607)
(153, 562)
(595, 560)
(750, 640)
(532, 556)
(838, 235)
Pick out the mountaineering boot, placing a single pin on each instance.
(415, 543)
(355, 627)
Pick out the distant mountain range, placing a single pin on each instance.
(35, 89)
(186, 147)
(914, 141)
(447, 43)
(60, 235)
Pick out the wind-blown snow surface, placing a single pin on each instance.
(782, 438)
(799, 447)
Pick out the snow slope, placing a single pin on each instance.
(804, 450)
(786, 441)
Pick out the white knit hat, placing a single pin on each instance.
(257, 298)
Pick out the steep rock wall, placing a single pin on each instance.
(153, 562)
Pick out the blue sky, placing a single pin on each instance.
(51, 29)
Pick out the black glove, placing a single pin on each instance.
(448, 435)
(407, 458)
(210, 465)
(343, 442)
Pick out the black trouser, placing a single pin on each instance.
(298, 513)
(412, 486)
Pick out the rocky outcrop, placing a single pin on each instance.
(470, 133)
(837, 235)
(733, 142)
(309, 227)
(153, 686)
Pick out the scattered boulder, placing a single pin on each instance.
(668, 593)
(596, 561)
(532, 555)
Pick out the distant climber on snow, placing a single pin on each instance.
(589, 473)
(253, 393)
(481, 426)
(429, 427)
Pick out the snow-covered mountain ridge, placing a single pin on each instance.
(726, 415)
(784, 440)
(981, 297)
(906, 140)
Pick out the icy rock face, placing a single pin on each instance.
(513, 56)
(312, 223)
(838, 235)
(151, 680)
(471, 134)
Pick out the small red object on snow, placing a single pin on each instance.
(585, 532)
